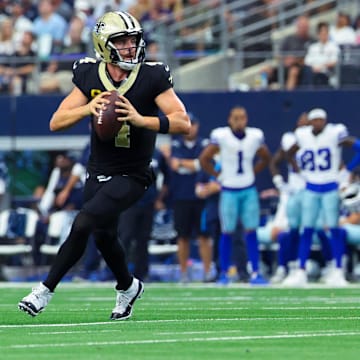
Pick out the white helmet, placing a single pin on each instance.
(351, 198)
(112, 25)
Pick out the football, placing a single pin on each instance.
(106, 126)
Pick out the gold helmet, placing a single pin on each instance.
(112, 25)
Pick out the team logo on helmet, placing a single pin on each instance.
(98, 28)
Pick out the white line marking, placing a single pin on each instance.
(234, 286)
(164, 341)
(290, 318)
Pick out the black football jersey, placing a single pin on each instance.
(131, 150)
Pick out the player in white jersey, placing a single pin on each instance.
(290, 199)
(320, 158)
(238, 146)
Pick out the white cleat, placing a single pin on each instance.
(297, 278)
(336, 278)
(279, 276)
(125, 300)
(36, 301)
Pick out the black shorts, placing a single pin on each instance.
(187, 215)
(106, 197)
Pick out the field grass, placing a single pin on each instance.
(185, 322)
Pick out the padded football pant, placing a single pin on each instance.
(103, 202)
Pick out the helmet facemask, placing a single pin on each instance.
(127, 64)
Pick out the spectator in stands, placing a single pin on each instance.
(64, 9)
(4, 9)
(176, 7)
(49, 28)
(357, 30)
(257, 14)
(58, 75)
(135, 223)
(101, 7)
(187, 206)
(63, 191)
(7, 46)
(157, 13)
(196, 36)
(21, 23)
(292, 53)
(30, 9)
(321, 58)
(139, 8)
(342, 33)
(64, 187)
(85, 11)
(17, 73)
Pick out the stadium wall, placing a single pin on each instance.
(25, 119)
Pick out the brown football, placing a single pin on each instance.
(106, 126)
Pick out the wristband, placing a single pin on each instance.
(164, 124)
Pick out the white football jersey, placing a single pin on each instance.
(320, 156)
(237, 155)
(295, 181)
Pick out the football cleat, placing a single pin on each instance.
(258, 280)
(36, 301)
(336, 278)
(279, 276)
(296, 278)
(223, 279)
(125, 300)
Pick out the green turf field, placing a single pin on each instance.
(185, 322)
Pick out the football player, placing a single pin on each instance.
(319, 146)
(291, 193)
(238, 146)
(118, 170)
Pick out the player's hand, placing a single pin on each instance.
(61, 198)
(127, 112)
(279, 182)
(98, 103)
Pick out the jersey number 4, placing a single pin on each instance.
(316, 160)
(123, 137)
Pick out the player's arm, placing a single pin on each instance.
(174, 121)
(206, 159)
(74, 108)
(290, 157)
(354, 143)
(276, 160)
(274, 166)
(263, 159)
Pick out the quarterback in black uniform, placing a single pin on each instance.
(118, 170)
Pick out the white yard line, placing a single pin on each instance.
(187, 340)
(113, 323)
(110, 285)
